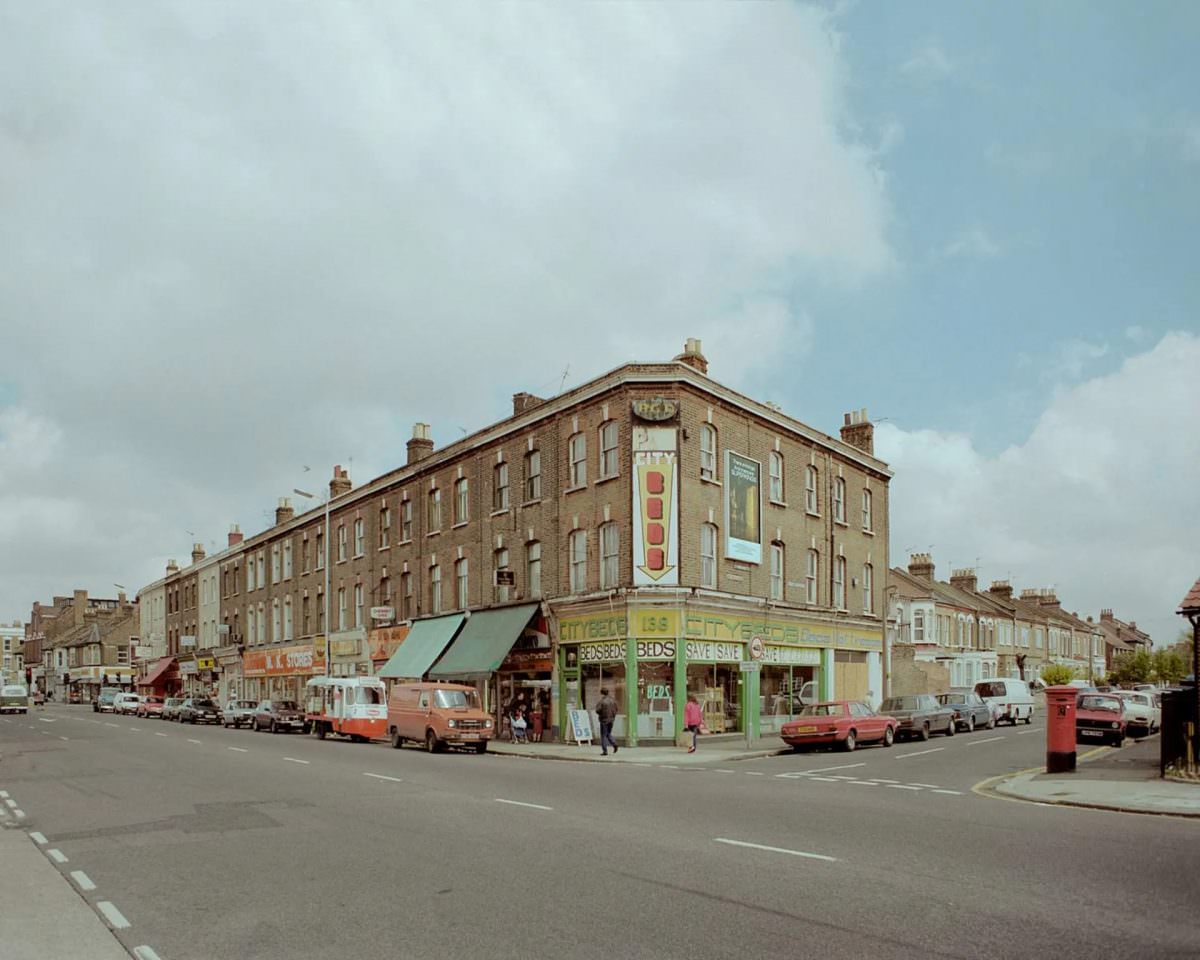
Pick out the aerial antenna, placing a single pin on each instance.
(562, 383)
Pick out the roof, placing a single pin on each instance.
(1191, 603)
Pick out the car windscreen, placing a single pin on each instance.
(991, 690)
(899, 703)
(245, 704)
(823, 710)
(455, 698)
(286, 705)
(952, 698)
(13, 691)
(152, 700)
(206, 704)
(1110, 704)
(368, 695)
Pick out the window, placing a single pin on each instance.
(275, 622)
(406, 596)
(810, 489)
(341, 542)
(462, 582)
(287, 559)
(961, 632)
(867, 584)
(305, 617)
(918, 626)
(360, 540)
(251, 625)
(462, 500)
(608, 449)
(500, 562)
(262, 573)
(358, 604)
(533, 568)
(577, 453)
(839, 500)
(708, 555)
(708, 452)
(341, 608)
(609, 553)
(866, 510)
(385, 527)
(385, 590)
(435, 511)
(500, 487)
(839, 583)
(406, 518)
(811, 567)
(533, 475)
(287, 618)
(578, 557)
(775, 469)
(435, 589)
(249, 581)
(274, 563)
(320, 550)
(776, 571)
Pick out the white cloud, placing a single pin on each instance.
(249, 237)
(1099, 500)
(974, 243)
(928, 64)
(1137, 333)
(1071, 359)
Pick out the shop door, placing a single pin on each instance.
(850, 675)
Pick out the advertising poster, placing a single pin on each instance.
(743, 508)
(655, 507)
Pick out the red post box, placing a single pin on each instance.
(1060, 729)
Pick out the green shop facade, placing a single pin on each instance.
(651, 657)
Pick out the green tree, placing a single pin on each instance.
(1170, 666)
(1056, 674)
(1132, 666)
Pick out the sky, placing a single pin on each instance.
(240, 243)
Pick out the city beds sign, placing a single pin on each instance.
(670, 624)
(655, 507)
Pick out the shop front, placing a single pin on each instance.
(280, 673)
(229, 667)
(348, 653)
(650, 659)
(85, 682)
(161, 677)
(189, 678)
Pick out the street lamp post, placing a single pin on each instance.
(325, 564)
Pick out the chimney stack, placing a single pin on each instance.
(921, 565)
(197, 553)
(693, 356)
(172, 567)
(858, 431)
(284, 512)
(235, 535)
(340, 483)
(420, 446)
(525, 401)
(79, 606)
(964, 579)
(1001, 588)
(1042, 596)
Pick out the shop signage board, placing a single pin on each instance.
(655, 409)
(205, 663)
(187, 641)
(188, 668)
(669, 624)
(743, 508)
(385, 641)
(383, 613)
(748, 666)
(282, 661)
(504, 578)
(581, 726)
(655, 484)
(143, 651)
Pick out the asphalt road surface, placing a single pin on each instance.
(227, 844)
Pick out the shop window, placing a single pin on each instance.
(717, 688)
(656, 700)
(610, 676)
(708, 555)
(782, 691)
(533, 475)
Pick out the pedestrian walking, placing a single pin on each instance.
(693, 717)
(606, 713)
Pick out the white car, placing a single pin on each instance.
(126, 703)
(1140, 709)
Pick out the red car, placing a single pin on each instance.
(846, 723)
(150, 707)
(1100, 716)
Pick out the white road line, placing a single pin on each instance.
(902, 786)
(145, 953)
(844, 766)
(919, 753)
(107, 724)
(953, 793)
(881, 780)
(57, 855)
(19, 814)
(48, 719)
(380, 776)
(755, 773)
(291, 759)
(84, 881)
(112, 915)
(38, 838)
(723, 771)
(136, 729)
(843, 776)
(238, 749)
(160, 734)
(64, 738)
(192, 741)
(824, 780)
(927, 786)
(668, 766)
(759, 846)
(861, 783)
(1021, 733)
(518, 803)
(974, 743)
(11, 802)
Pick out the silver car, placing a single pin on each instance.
(239, 712)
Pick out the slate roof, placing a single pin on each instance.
(1191, 603)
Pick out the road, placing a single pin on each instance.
(216, 843)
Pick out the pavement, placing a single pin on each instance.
(1125, 780)
(710, 750)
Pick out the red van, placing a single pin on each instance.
(438, 715)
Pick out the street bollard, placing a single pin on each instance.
(1060, 729)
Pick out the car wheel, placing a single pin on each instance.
(481, 747)
(850, 742)
(321, 730)
(1118, 741)
(889, 737)
(925, 731)
(1028, 718)
(951, 728)
(991, 724)
(272, 728)
(971, 724)
(431, 742)
(397, 741)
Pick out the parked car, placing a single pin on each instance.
(238, 712)
(438, 715)
(969, 709)
(1141, 711)
(1009, 699)
(170, 710)
(919, 715)
(276, 715)
(14, 697)
(126, 703)
(104, 702)
(845, 723)
(1145, 686)
(1100, 716)
(151, 705)
(199, 710)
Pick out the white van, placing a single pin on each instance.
(1009, 699)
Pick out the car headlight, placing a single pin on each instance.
(487, 725)
(1115, 724)
(452, 723)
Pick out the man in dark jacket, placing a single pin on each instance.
(606, 713)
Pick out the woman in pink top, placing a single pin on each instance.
(692, 718)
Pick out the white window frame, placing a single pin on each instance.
(435, 588)
(839, 583)
(287, 559)
(275, 563)
(319, 547)
(342, 543)
(462, 583)
(276, 622)
(811, 503)
(812, 572)
(708, 555)
(918, 626)
(839, 500)
(406, 595)
(533, 568)
(434, 510)
(462, 500)
(360, 538)
(868, 586)
(287, 618)
(777, 570)
(577, 455)
(500, 562)
(385, 527)
(867, 518)
(533, 476)
(610, 549)
(775, 476)
(577, 554)
(406, 521)
(358, 605)
(609, 438)
(500, 498)
(708, 452)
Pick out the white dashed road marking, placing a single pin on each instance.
(902, 786)
(927, 786)
(57, 855)
(518, 803)
(238, 749)
(919, 753)
(294, 760)
(10, 801)
(107, 724)
(843, 766)
(160, 734)
(38, 838)
(192, 741)
(759, 846)
(824, 780)
(19, 814)
(380, 776)
(63, 738)
(84, 881)
(136, 729)
(954, 793)
(145, 953)
(112, 915)
(975, 743)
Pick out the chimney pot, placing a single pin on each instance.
(284, 512)
(235, 535)
(693, 356)
(420, 446)
(340, 483)
(858, 431)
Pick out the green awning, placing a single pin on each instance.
(424, 643)
(483, 643)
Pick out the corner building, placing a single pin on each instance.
(648, 531)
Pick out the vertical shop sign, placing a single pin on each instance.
(743, 508)
(655, 507)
